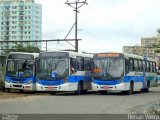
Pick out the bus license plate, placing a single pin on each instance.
(106, 87)
(50, 88)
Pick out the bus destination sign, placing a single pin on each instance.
(108, 55)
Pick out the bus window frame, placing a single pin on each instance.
(154, 67)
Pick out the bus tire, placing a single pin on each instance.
(103, 92)
(21, 91)
(8, 90)
(84, 91)
(146, 89)
(3, 88)
(53, 93)
(79, 88)
(148, 86)
(130, 91)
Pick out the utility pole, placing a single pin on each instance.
(76, 5)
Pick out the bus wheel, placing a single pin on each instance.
(84, 91)
(146, 89)
(148, 86)
(21, 91)
(8, 90)
(103, 92)
(79, 89)
(53, 93)
(3, 88)
(131, 89)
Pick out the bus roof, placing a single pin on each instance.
(23, 53)
(70, 53)
(126, 55)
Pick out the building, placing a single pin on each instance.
(150, 41)
(140, 50)
(147, 46)
(20, 20)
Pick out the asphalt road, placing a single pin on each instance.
(92, 103)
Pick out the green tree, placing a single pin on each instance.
(156, 48)
(20, 48)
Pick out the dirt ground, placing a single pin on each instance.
(4, 95)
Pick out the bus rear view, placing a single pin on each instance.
(20, 71)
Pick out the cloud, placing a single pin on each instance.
(105, 25)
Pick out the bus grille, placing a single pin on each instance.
(17, 85)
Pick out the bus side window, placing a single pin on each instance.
(151, 67)
(135, 65)
(80, 63)
(154, 67)
(140, 66)
(87, 63)
(148, 67)
(73, 63)
(126, 66)
(131, 64)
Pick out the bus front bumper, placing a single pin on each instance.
(19, 86)
(117, 88)
(62, 87)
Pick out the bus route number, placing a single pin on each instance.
(97, 70)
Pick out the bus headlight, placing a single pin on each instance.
(29, 82)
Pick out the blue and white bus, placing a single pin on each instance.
(121, 72)
(20, 71)
(64, 71)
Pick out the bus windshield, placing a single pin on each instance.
(108, 68)
(52, 68)
(19, 68)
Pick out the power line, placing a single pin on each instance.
(35, 41)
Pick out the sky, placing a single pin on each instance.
(103, 25)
